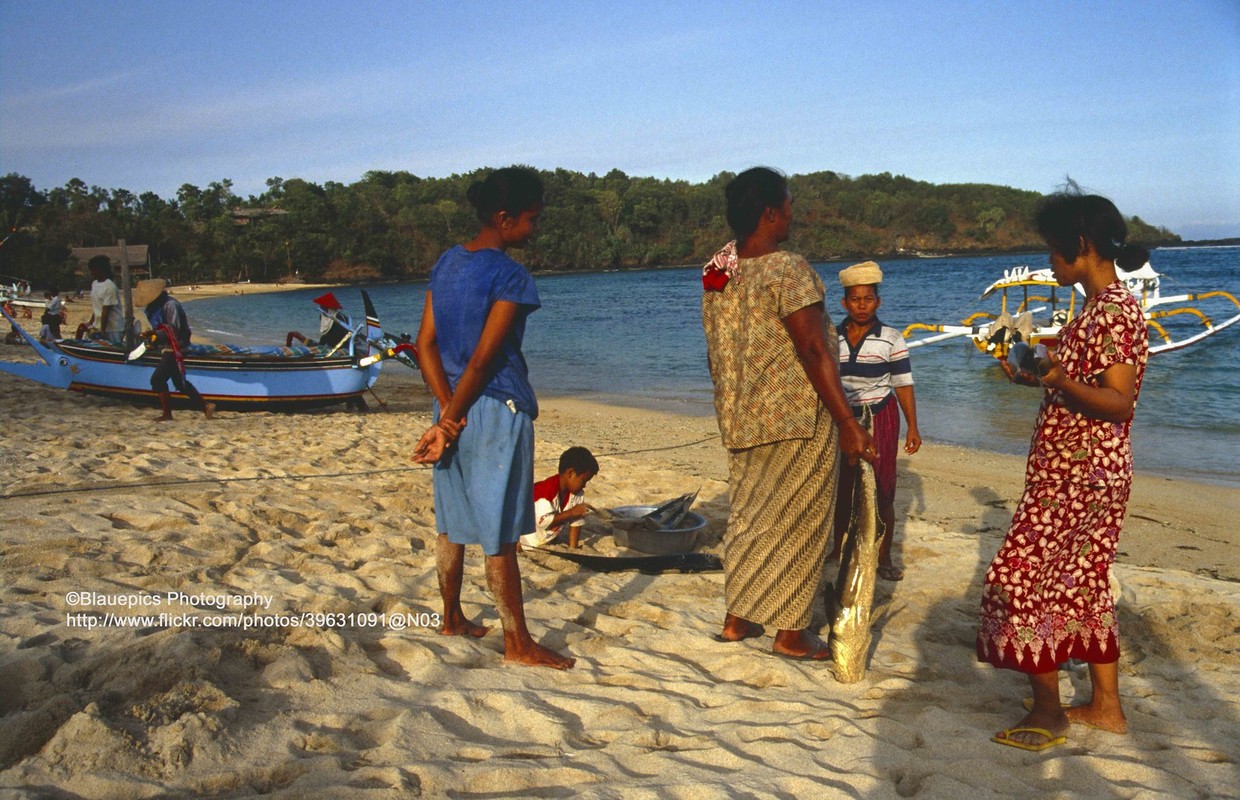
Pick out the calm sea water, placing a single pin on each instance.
(636, 338)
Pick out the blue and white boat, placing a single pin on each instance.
(232, 377)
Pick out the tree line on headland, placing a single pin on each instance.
(393, 225)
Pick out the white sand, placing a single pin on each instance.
(322, 513)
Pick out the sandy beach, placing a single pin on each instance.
(344, 689)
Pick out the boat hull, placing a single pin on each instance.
(229, 382)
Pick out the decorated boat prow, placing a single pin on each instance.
(1033, 308)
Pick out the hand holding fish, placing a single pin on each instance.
(856, 442)
(1053, 376)
(1018, 376)
(1028, 366)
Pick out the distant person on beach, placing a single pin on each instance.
(1048, 593)
(53, 315)
(561, 498)
(470, 339)
(107, 320)
(169, 330)
(875, 370)
(782, 414)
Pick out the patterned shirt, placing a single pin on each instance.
(1071, 447)
(762, 393)
(878, 364)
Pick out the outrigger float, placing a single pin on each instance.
(1020, 319)
(238, 378)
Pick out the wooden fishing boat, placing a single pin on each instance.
(239, 378)
(1033, 307)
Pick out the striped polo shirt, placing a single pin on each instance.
(877, 365)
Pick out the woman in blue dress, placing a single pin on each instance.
(482, 443)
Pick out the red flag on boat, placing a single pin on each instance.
(328, 301)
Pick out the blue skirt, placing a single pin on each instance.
(484, 484)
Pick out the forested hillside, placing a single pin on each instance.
(393, 225)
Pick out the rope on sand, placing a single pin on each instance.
(156, 484)
(108, 487)
(659, 449)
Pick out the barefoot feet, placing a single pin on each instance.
(890, 572)
(1110, 720)
(801, 645)
(736, 629)
(462, 627)
(532, 654)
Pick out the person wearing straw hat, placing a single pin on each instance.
(169, 328)
(875, 369)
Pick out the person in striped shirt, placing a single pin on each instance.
(875, 369)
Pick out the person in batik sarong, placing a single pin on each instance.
(1048, 593)
(782, 415)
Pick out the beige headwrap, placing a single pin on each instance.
(862, 274)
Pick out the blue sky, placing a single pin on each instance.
(1137, 100)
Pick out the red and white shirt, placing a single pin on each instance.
(549, 501)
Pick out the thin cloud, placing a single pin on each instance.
(59, 94)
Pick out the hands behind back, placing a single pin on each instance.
(437, 439)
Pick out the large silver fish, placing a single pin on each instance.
(669, 515)
(854, 589)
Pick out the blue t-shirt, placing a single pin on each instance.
(463, 287)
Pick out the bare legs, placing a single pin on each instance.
(1046, 713)
(887, 516)
(167, 370)
(1103, 711)
(165, 405)
(450, 562)
(504, 580)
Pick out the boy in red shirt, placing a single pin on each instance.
(561, 498)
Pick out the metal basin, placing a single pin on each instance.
(630, 531)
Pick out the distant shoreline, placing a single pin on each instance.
(187, 292)
(199, 291)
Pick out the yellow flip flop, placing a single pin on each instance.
(1004, 737)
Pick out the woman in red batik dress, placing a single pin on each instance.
(1048, 595)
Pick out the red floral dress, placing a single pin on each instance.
(1048, 594)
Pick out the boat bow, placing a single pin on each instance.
(57, 369)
